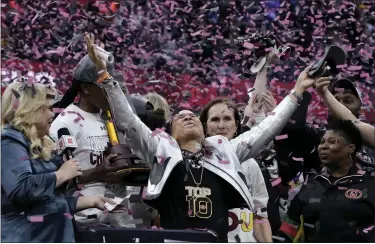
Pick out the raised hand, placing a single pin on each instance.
(90, 42)
(321, 85)
(269, 102)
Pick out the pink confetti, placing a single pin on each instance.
(144, 193)
(36, 219)
(248, 45)
(224, 162)
(281, 137)
(297, 159)
(337, 89)
(355, 68)
(68, 215)
(361, 172)
(57, 110)
(48, 25)
(190, 212)
(342, 188)
(24, 158)
(341, 66)
(276, 182)
(220, 141)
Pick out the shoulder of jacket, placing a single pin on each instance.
(12, 136)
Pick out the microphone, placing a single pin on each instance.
(66, 144)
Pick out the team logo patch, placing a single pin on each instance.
(353, 194)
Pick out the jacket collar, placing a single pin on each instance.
(11, 132)
(354, 171)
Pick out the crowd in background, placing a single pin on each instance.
(189, 51)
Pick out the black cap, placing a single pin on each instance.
(347, 85)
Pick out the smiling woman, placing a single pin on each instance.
(336, 205)
(30, 114)
(31, 179)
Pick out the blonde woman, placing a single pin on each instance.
(159, 103)
(34, 207)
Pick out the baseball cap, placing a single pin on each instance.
(86, 72)
(347, 85)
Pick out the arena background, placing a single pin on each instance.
(187, 50)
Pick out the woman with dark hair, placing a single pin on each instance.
(219, 104)
(338, 204)
(195, 179)
(221, 117)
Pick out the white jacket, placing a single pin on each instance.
(162, 152)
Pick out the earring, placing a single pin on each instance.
(235, 134)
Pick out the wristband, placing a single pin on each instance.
(103, 77)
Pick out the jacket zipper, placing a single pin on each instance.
(229, 183)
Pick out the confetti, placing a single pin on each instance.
(57, 110)
(80, 186)
(276, 182)
(36, 219)
(297, 159)
(185, 46)
(278, 238)
(68, 215)
(224, 162)
(281, 137)
(309, 225)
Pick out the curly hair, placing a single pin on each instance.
(349, 131)
(22, 108)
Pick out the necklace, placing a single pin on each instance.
(193, 159)
(200, 182)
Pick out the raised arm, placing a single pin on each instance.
(138, 135)
(342, 112)
(253, 142)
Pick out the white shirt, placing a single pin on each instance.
(241, 221)
(90, 132)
